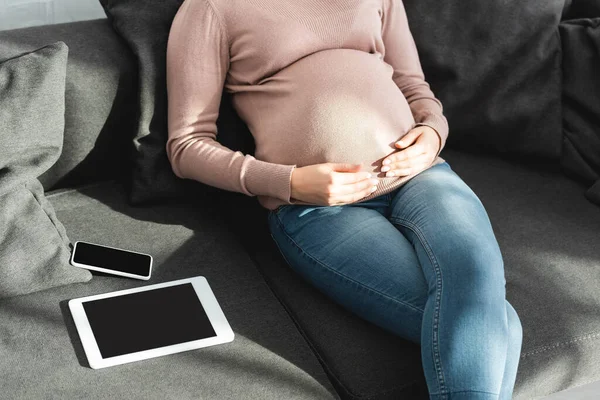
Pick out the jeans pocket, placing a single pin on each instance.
(278, 210)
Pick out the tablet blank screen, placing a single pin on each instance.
(147, 320)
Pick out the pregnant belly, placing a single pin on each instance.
(337, 105)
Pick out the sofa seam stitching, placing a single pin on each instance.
(542, 349)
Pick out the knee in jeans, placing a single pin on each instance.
(481, 276)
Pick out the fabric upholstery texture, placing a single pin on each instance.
(547, 233)
(101, 87)
(581, 9)
(495, 66)
(42, 357)
(34, 247)
(145, 25)
(581, 102)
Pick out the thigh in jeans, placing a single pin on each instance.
(359, 259)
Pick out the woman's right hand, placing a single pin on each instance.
(331, 184)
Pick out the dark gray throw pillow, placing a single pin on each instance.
(581, 102)
(575, 9)
(34, 247)
(145, 26)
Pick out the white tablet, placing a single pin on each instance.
(149, 321)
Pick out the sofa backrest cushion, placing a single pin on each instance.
(100, 114)
(495, 66)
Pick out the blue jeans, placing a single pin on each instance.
(422, 262)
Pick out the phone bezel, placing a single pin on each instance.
(110, 271)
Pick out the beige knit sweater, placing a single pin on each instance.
(315, 81)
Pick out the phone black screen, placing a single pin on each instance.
(113, 259)
(147, 320)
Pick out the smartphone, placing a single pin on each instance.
(111, 260)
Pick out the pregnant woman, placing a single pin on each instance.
(348, 136)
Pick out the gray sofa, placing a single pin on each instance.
(291, 341)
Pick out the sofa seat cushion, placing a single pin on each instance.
(548, 233)
(268, 359)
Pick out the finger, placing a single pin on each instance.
(407, 171)
(420, 159)
(412, 151)
(408, 139)
(352, 197)
(342, 190)
(343, 178)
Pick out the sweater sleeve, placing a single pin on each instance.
(401, 53)
(197, 65)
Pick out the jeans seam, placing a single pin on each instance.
(438, 299)
(279, 222)
(463, 391)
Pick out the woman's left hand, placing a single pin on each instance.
(420, 145)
